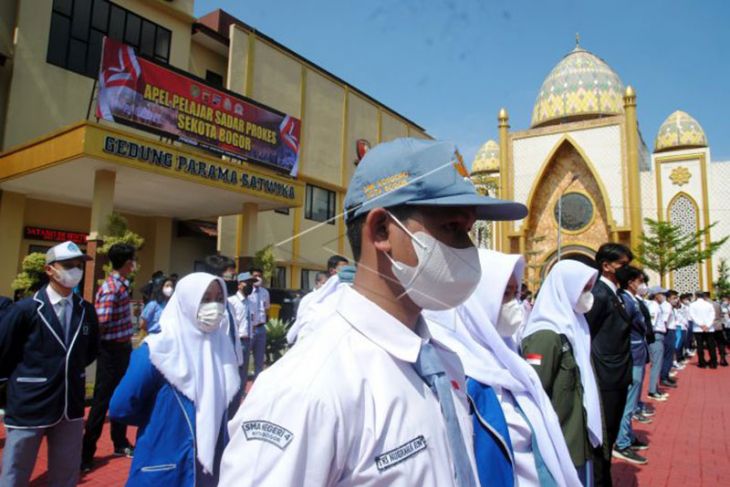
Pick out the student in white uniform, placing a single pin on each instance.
(505, 391)
(702, 314)
(370, 399)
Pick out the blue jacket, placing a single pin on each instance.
(492, 444)
(164, 453)
(46, 375)
(639, 346)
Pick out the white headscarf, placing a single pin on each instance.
(469, 331)
(554, 310)
(203, 366)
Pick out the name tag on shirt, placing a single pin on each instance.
(400, 454)
(269, 432)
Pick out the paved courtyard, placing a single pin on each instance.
(689, 440)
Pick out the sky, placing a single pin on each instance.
(450, 65)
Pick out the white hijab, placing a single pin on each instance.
(203, 366)
(554, 310)
(469, 331)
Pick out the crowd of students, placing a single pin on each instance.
(419, 366)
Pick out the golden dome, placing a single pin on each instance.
(487, 159)
(679, 130)
(581, 85)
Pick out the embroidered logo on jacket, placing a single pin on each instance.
(403, 452)
(266, 431)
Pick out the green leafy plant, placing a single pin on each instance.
(665, 247)
(117, 231)
(266, 260)
(276, 338)
(31, 273)
(722, 285)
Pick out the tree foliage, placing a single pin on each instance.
(266, 260)
(117, 231)
(666, 247)
(31, 273)
(722, 285)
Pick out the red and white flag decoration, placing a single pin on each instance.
(534, 358)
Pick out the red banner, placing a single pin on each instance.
(141, 93)
(51, 235)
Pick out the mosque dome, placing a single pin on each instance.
(486, 159)
(580, 86)
(679, 130)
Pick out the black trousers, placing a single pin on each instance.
(613, 403)
(721, 344)
(706, 341)
(110, 368)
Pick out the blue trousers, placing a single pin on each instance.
(258, 347)
(656, 354)
(668, 358)
(64, 454)
(679, 344)
(626, 432)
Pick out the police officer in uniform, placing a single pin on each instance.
(46, 342)
(370, 398)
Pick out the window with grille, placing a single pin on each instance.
(79, 26)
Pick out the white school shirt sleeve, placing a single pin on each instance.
(292, 439)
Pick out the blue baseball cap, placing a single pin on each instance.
(245, 276)
(412, 171)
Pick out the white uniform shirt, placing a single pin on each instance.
(259, 302)
(520, 434)
(702, 313)
(241, 314)
(656, 319)
(682, 316)
(346, 407)
(669, 311)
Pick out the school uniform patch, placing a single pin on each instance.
(400, 454)
(534, 358)
(268, 432)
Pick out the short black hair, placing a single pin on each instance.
(354, 226)
(120, 253)
(611, 252)
(646, 277)
(685, 296)
(253, 269)
(218, 264)
(671, 293)
(700, 294)
(334, 260)
(627, 274)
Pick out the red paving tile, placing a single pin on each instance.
(689, 440)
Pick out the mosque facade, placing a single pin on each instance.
(583, 162)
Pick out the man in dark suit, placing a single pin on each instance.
(610, 327)
(46, 342)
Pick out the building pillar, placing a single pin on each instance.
(163, 244)
(12, 216)
(505, 176)
(102, 206)
(247, 226)
(634, 183)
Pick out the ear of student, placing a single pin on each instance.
(377, 229)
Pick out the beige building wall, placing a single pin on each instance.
(36, 84)
(203, 59)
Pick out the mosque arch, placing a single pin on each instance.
(683, 212)
(540, 229)
(581, 253)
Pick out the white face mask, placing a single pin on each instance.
(585, 303)
(167, 291)
(258, 282)
(642, 289)
(444, 276)
(510, 318)
(210, 316)
(69, 278)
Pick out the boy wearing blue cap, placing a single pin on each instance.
(371, 399)
(46, 343)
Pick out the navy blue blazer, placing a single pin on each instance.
(46, 375)
(639, 347)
